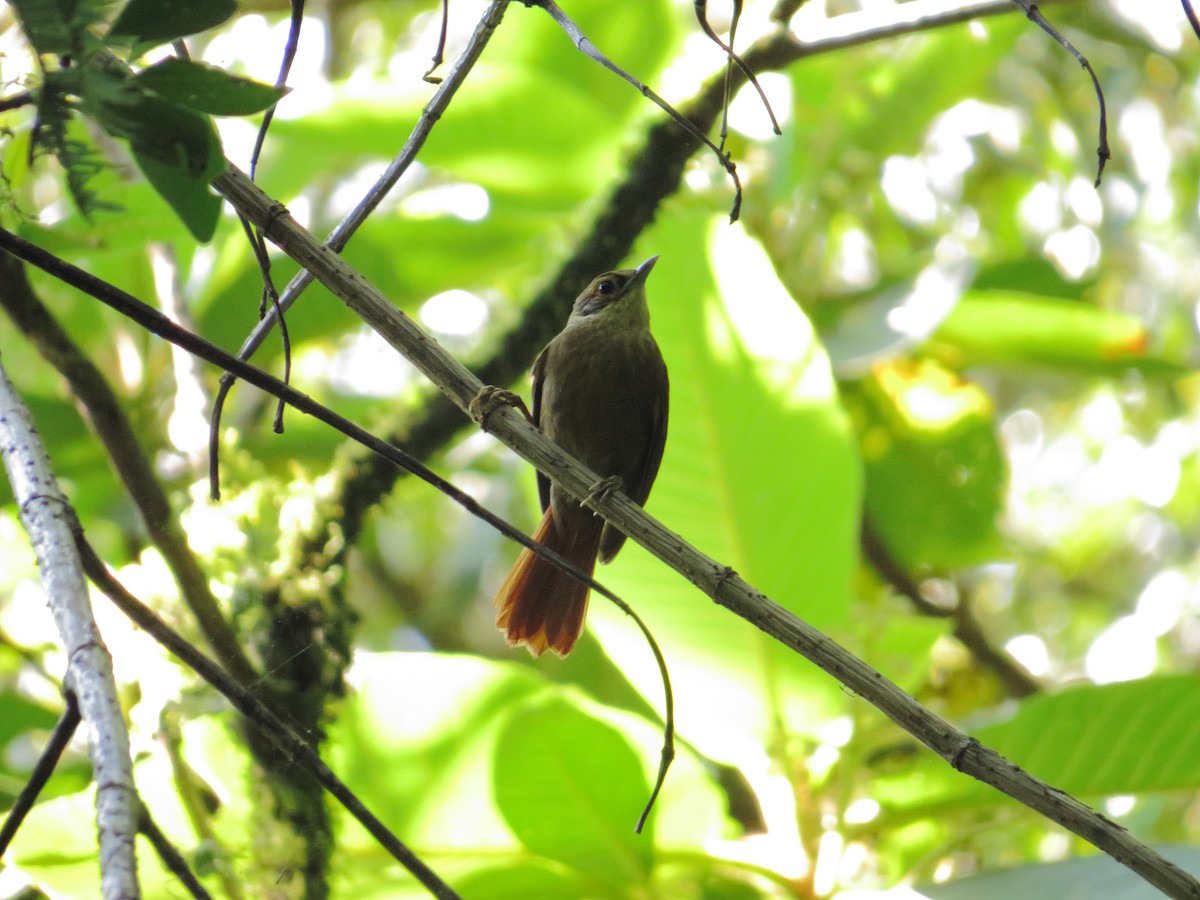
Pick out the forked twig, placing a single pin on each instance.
(585, 46)
(1035, 16)
(734, 59)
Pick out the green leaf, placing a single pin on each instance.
(177, 149)
(1016, 328)
(1098, 876)
(193, 202)
(1122, 738)
(176, 137)
(160, 21)
(1092, 740)
(207, 89)
(935, 469)
(571, 788)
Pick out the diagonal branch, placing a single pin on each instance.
(717, 581)
(156, 323)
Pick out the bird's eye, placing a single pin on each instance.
(605, 288)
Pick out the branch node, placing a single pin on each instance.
(957, 759)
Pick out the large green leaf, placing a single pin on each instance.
(1090, 741)
(571, 787)
(190, 197)
(1069, 879)
(1093, 740)
(176, 148)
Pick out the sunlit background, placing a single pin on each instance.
(927, 316)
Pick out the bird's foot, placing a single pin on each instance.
(602, 489)
(491, 398)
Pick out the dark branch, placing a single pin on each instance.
(1035, 16)
(47, 762)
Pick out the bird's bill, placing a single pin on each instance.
(641, 273)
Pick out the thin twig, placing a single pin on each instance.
(270, 293)
(733, 59)
(341, 235)
(42, 509)
(47, 762)
(1191, 16)
(1035, 16)
(585, 46)
(285, 68)
(438, 57)
(170, 856)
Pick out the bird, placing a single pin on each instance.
(601, 392)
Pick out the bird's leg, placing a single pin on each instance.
(491, 398)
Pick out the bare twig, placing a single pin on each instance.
(285, 68)
(1035, 16)
(733, 59)
(170, 856)
(47, 762)
(585, 46)
(438, 52)
(43, 512)
(1191, 16)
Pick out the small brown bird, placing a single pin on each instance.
(600, 392)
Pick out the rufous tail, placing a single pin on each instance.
(540, 605)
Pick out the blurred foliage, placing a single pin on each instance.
(928, 322)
